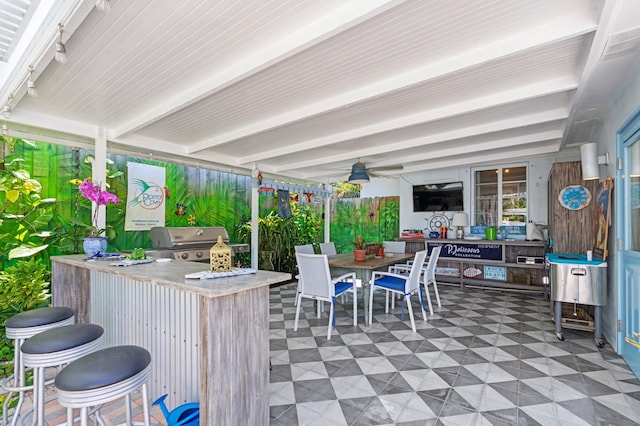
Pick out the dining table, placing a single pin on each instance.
(345, 262)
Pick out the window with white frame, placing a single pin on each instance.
(500, 196)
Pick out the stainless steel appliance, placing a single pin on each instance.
(576, 280)
(190, 243)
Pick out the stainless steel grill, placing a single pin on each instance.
(190, 243)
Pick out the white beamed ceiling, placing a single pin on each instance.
(305, 88)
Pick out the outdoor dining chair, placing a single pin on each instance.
(401, 284)
(392, 247)
(307, 249)
(429, 276)
(328, 248)
(316, 283)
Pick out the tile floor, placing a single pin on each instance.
(484, 358)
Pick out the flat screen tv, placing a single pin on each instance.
(438, 197)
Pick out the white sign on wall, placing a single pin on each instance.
(145, 197)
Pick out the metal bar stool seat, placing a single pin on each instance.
(103, 376)
(19, 328)
(57, 347)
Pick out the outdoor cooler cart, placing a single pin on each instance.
(578, 281)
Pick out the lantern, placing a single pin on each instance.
(220, 257)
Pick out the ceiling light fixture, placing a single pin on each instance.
(61, 51)
(358, 174)
(31, 85)
(103, 5)
(7, 110)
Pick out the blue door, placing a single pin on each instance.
(628, 241)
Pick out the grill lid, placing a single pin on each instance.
(163, 237)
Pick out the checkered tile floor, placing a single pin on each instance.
(484, 358)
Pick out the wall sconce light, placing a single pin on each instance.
(61, 51)
(31, 85)
(460, 220)
(590, 161)
(103, 5)
(5, 130)
(358, 174)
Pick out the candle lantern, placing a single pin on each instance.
(220, 257)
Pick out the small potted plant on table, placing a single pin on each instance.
(359, 249)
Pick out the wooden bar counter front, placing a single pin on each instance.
(208, 339)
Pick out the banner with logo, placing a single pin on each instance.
(145, 197)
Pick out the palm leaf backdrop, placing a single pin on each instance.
(213, 198)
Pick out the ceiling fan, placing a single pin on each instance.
(360, 173)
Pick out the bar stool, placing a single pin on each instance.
(56, 347)
(19, 328)
(103, 376)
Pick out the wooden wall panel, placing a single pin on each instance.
(234, 350)
(572, 231)
(71, 287)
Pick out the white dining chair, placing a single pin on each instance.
(428, 273)
(429, 277)
(392, 247)
(401, 284)
(307, 249)
(328, 248)
(316, 283)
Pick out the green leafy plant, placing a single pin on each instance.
(23, 286)
(359, 243)
(24, 215)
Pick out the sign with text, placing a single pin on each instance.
(481, 251)
(145, 197)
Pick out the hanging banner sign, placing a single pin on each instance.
(145, 197)
(484, 251)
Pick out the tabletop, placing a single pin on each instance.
(345, 260)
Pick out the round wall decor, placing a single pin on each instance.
(574, 197)
(436, 221)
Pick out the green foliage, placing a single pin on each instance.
(375, 219)
(23, 286)
(345, 190)
(26, 217)
(278, 236)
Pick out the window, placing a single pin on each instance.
(508, 184)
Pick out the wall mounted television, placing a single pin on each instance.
(438, 197)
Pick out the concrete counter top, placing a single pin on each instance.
(171, 274)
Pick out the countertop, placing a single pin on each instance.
(172, 274)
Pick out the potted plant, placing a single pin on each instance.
(359, 249)
(95, 240)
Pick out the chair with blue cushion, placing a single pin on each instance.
(402, 285)
(392, 247)
(429, 276)
(316, 283)
(307, 249)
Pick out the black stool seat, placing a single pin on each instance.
(40, 316)
(62, 338)
(103, 368)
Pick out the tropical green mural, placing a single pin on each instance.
(375, 219)
(194, 197)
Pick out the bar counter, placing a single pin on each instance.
(209, 339)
